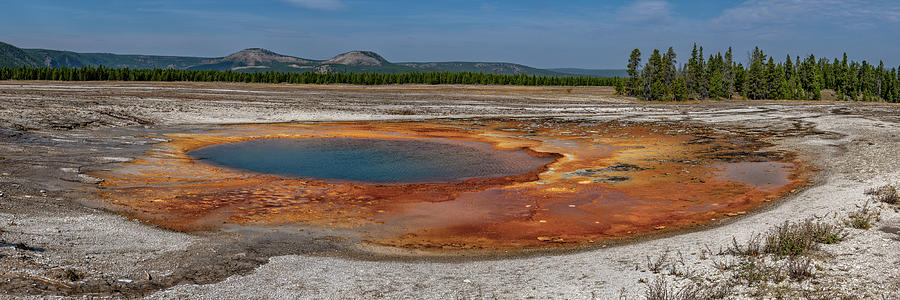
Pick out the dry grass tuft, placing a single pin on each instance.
(655, 265)
(885, 194)
(800, 269)
(755, 271)
(660, 289)
(863, 218)
(401, 112)
(753, 247)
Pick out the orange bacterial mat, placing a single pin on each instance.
(602, 181)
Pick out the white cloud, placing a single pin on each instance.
(318, 4)
(846, 14)
(645, 11)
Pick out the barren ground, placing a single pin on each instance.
(56, 241)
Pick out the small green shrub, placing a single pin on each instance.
(863, 218)
(791, 239)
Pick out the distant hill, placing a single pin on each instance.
(480, 67)
(255, 59)
(361, 62)
(593, 72)
(260, 60)
(12, 56)
(358, 58)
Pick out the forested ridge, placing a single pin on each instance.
(720, 77)
(717, 76)
(99, 73)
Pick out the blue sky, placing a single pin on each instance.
(587, 34)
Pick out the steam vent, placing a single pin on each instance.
(454, 186)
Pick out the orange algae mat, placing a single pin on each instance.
(608, 181)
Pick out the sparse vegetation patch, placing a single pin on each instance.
(863, 218)
(791, 239)
(788, 239)
(885, 194)
(662, 289)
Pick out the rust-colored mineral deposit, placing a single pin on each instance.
(608, 181)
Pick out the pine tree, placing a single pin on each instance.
(855, 87)
(655, 73)
(679, 89)
(846, 85)
(828, 74)
(879, 81)
(773, 82)
(670, 71)
(633, 83)
(896, 94)
(810, 78)
(838, 78)
(788, 67)
(785, 89)
(716, 77)
(716, 84)
(740, 80)
(756, 81)
(729, 73)
(692, 79)
(703, 77)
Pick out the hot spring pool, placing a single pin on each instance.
(371, 160)
(534, 183)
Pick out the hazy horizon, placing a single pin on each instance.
(575, 34)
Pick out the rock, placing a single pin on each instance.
(618, 167)
(83, 178)
(554, 239)
(612, 179)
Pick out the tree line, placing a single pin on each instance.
(720, 77)
(100, 73)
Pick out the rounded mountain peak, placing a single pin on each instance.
(358, 58)
(259, 56)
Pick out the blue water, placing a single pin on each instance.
(371, 160)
